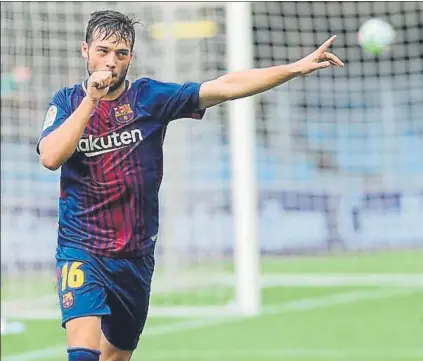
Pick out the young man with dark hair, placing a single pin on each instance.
(107, 134)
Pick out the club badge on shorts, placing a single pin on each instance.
(123, 113)
(67, 300)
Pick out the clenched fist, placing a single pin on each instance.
(98, 84)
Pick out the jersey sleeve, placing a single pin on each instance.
(171, 101)
(57, 112)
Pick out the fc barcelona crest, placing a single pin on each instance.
(123, 113)
(67, 300)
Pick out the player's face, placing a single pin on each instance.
(108, 54)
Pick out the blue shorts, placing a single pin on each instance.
(116, 289)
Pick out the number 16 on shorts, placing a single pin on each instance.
(72, 276)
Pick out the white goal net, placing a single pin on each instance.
(339, 154)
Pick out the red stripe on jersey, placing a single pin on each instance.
(62, 191)
(138, 178)
(95, 130)
(120, 212)
(108, 177)
(160, 176)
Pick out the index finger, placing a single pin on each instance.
(325, 46)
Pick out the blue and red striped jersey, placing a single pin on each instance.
(108, 203)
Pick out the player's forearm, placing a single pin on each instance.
(57, 147)
(254, 81)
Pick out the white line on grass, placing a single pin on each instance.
(23, 309)
(291, 306)
(41, 354)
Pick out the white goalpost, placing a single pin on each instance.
(239, 52)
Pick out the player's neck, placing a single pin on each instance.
(116, 93)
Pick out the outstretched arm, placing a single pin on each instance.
(245, 83)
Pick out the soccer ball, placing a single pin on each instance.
(375, 36)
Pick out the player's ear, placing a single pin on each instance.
(84, 50)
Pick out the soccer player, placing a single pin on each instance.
(106, 134)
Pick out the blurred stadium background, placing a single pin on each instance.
(339, 166)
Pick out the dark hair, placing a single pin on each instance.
(109, 23)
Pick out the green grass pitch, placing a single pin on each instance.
(299, 322)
